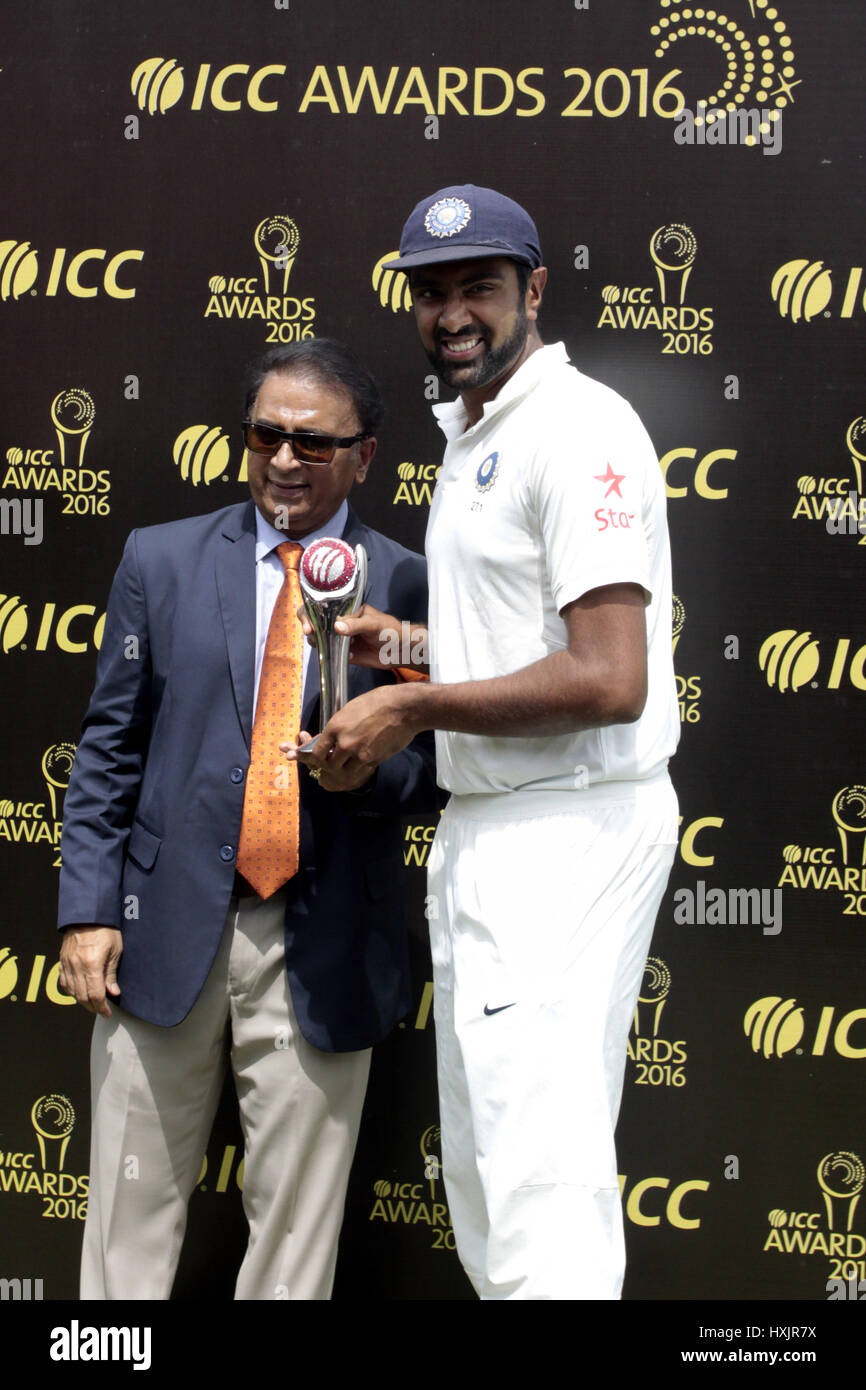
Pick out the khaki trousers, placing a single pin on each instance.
(154, 1095)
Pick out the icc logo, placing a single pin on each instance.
(678, 618)
(703, 486)
(802, 289)
(53, 1118)
(56, 769)
(673, 249)
(416, 484)
(157, 85)
(653, 993)
(202, 454)
(19, 267)
(276, 239)
(72, 414)
(392, 286)
(775, 1026)
(789, 660)
(849, 813)
(431, 1156)
(14, 623)
(840, 1177)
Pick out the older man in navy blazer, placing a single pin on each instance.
(157, 916)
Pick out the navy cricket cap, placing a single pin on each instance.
(465, 223)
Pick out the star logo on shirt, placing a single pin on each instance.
(613, 479)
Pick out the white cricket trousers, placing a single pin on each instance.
(541, 907)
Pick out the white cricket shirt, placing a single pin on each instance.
(555, 491)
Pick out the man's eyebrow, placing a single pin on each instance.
(311, 429)
(427, 282)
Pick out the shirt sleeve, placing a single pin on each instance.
(592, 495)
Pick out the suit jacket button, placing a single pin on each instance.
(236, 774)
(227, 853)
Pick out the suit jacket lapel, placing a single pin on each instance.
(236, 586)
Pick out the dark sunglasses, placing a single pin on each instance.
(307, 448)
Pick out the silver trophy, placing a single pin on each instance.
(333, 583)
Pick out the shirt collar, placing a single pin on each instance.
(451, 415)
(268, 537)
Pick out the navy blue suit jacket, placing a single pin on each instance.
(153, 810)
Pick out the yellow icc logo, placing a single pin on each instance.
(662, 306)
(803, 290)
(688, 687)
(75, 629)
(838, 501)
(690, 475)
(201, 454)
(775, 1026)
(754, 50)
(415, 484)
(791, 659)
(420, 1199)
(658, 1061)
(286, 318)
(157, 84)
(19, 272)
(42, 1170)
(829, 1229)
(39, 820)
(391, 286)
(60, 468)
(839, 866)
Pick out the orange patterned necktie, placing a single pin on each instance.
(270, 828)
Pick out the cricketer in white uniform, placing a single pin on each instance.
(553, 699)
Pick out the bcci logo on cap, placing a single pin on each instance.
(447, 217)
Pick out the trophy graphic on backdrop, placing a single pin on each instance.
(333, 582)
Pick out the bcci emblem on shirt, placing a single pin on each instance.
(488, 471)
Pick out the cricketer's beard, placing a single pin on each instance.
(492, 364)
